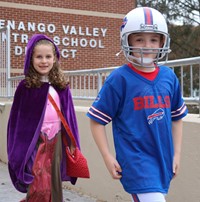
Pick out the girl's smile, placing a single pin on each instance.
(43, 58)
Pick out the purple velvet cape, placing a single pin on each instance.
(24, 126)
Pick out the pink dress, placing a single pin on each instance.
(47, 184)
(51, 124)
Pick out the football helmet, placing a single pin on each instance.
(141, 20)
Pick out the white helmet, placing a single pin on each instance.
(144, 19)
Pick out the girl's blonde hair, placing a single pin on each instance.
(56, 76)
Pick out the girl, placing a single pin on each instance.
(36, 158)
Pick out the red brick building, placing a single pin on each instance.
(86, 32)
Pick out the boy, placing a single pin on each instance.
(145, 105)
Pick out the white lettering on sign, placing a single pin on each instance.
(19, 50)
(72, 30)
(71, 38)
(23, 38)
(3, 36)
(66, 53)
(83, 42)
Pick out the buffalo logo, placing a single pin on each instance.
(97, 98)
(157, 115)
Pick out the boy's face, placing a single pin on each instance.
(149, 41)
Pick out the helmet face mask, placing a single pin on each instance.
(144, 20)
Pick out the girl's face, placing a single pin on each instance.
(148, 41)
(43, 58)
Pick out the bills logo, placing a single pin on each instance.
(125, 20)
(157, 115)
(150, 102)
(153, 102)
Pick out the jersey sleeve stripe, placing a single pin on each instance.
(99, 115)
(96, 110)
(179, 111)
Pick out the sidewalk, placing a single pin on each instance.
(9, 194)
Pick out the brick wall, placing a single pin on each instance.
(87, 32)
(110, 6)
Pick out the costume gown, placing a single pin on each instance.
(47, 184)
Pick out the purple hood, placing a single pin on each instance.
(30, 46)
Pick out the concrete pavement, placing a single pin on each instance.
(9, 194)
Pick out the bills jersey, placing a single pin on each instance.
(141, 112)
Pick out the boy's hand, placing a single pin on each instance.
(113, 167)
(176, 165)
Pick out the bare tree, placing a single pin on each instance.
(185, 12)
(183, 18)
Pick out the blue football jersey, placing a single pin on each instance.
(141, 112)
